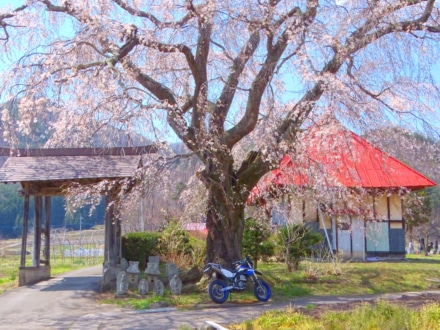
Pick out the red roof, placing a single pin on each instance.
(196, 226)
(347, 159)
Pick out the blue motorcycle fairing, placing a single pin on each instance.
(249, 272)
(246, 271)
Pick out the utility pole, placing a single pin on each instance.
(142, 215)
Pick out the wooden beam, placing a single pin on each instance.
(51, 191)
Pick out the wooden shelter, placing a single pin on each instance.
(43, 173)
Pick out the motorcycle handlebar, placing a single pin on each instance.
(241, 262)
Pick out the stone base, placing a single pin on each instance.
(109, 275)
(133, 280)
(30, 275)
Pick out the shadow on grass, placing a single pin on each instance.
(425, 260)
(288, 290)
(368, 278)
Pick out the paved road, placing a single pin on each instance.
(68, 302)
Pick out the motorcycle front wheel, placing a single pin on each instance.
(262, 291)
(216, 293)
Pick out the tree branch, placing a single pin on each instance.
(152, 18)
(200, 97)
(361, 38)
(230, 87)
(264, 76)
(175, 115)
(4, 24)
(170, 48)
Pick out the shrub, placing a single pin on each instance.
(174, 244)
(296, 241)
(139, 246)
(199, 251)
(256, 240)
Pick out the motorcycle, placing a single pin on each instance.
(236, 280)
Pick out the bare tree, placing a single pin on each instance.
(235, 81)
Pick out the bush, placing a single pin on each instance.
(256, 240)
(175, 245)
(139, 246)
(199, 250)
(296, 241)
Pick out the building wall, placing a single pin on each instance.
(386, 233)
(378, 232)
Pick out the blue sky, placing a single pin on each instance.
(13, 3)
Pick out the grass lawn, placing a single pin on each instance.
(382, 315)
(64, 245)
(348, 278)
(343, 278)
(353, 277)
(9, 268)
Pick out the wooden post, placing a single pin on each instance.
(47, 203)
(107, 229)
(112, 248)
(118, 241)
(25, 225)
(38, 200)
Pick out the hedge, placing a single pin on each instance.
(139, 246)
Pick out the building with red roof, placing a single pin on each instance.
(369, 220)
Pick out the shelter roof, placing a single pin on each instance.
(346, 159)
(20, 169)
(49, 170)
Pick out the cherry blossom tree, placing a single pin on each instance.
(235, 81)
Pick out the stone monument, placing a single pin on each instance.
(158, 288)
(133, 274)
(143, 287)
(152, 271)
(124, 264)
(176, 285)
(121, 284)
(171, 270)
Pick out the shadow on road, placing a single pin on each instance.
(74, 283)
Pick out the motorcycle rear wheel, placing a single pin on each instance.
(216, 293)
(262, 291)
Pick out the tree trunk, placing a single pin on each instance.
(225, 231)
(225, 213)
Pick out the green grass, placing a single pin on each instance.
(355, 278)
(9, 268)
(381, 316)
(62, 242)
